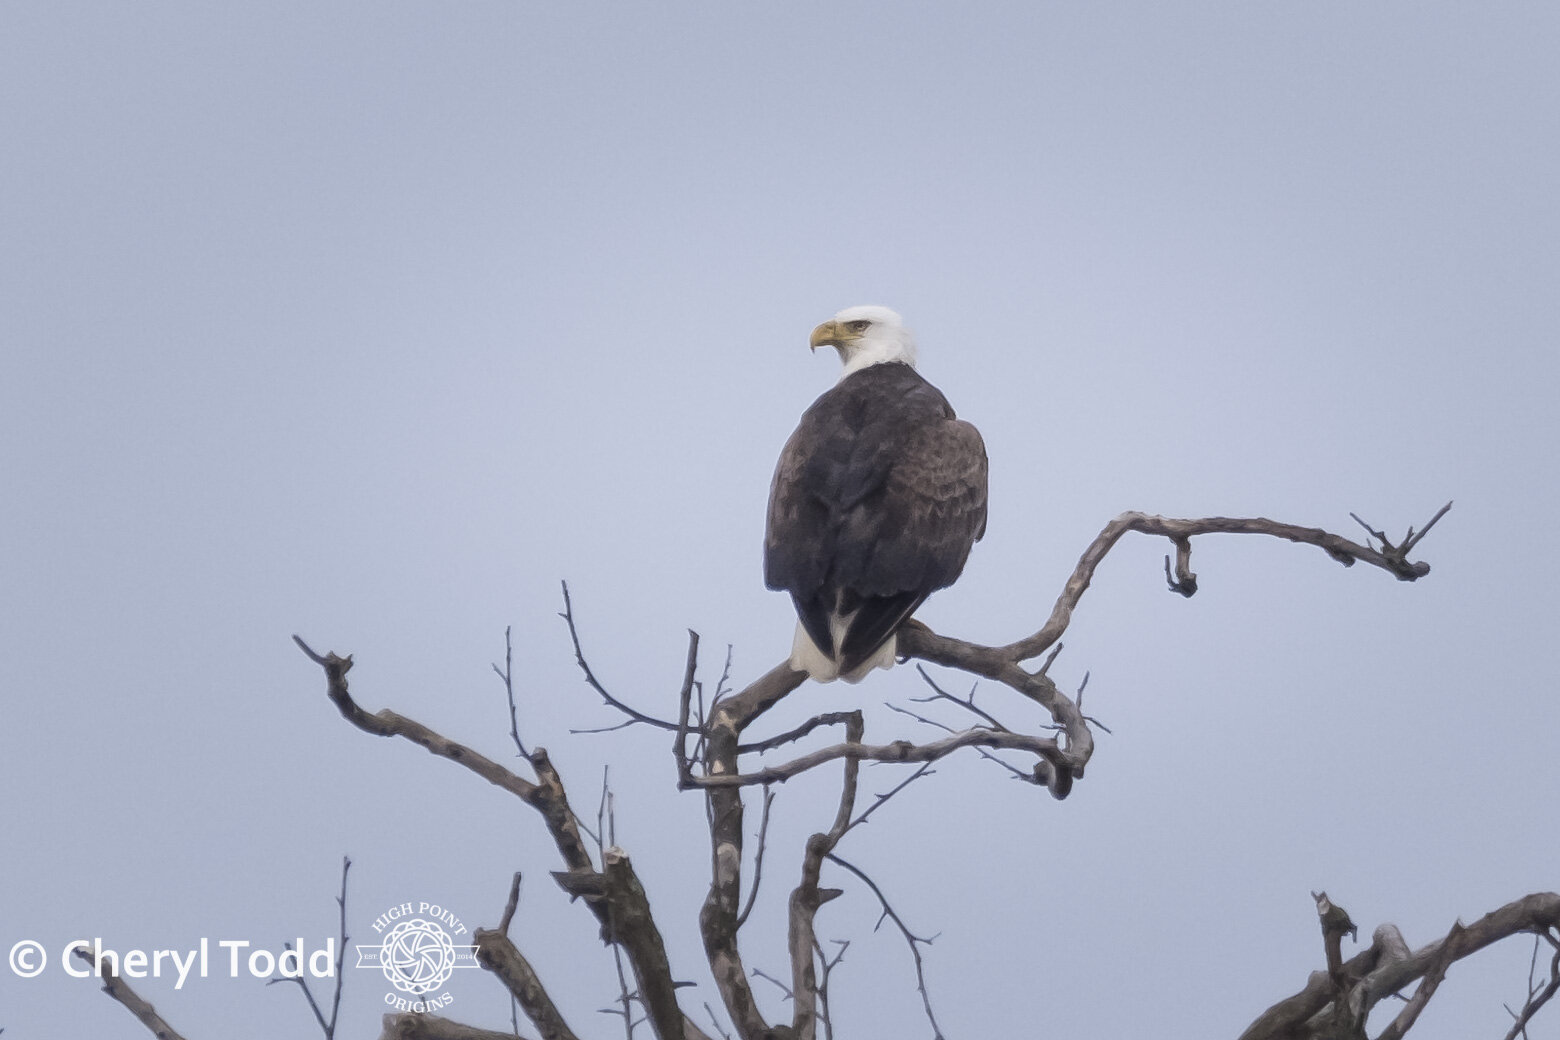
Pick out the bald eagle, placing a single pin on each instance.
(876, 501)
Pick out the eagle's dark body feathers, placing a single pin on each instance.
(876, 501)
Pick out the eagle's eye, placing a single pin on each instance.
(857, 326)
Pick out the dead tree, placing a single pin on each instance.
(713, 752)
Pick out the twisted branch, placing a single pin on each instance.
(1369, 977)
(619, 903)
(1059, 760)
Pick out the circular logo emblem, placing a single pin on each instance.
(418, 957)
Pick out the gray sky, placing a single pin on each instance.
(372, 322)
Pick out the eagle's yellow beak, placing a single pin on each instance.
(829, 334)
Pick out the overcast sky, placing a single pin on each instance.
(374, 321)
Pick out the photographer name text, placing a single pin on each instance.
(84, 958)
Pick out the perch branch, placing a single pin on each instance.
(1059, 760)
(1390, 559)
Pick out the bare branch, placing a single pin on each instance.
(328, 1028)
(411, 1026)
(1432, 980)
(507, 674)
(1384, 970)
(511, 905)
(497, 954)
(833, 718)
(1335, 925)
(760, 973)
(1183, 581)
(1044, 748)
(590, 677)
(716, 1021)
(1390, 559)
(807, 896)
(117, 988)
(1414, 539)
(635, 929)
(613, 894)
(878, 802)
(912, 940)
(387, 723)
(967, 703)
(1014, 770)
(341, 951)
(1537, 998)
(758, 858)
(718, 917)
(684, 698)
(826, 966)
(621, 906)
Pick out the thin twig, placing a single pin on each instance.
(341, 951)
(925, 770)
(998, 759)
(716, 1022)
(511, 904)
(507, 674)
(911, 939)
(826, 966)
(968, 704)
(684, 698)
(326, 1027)
(590, 677)
(1536, 998)
(605, 829)
(1413, 539)
(759, 973)
(758, 858)
(1406, 1018)
(1050, 658)
(833, 718)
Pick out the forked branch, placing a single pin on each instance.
(616, 898)
(1059, 759)
(1329, 1006)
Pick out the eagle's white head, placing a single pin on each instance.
(866, 336)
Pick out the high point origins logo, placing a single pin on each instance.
(418, 954)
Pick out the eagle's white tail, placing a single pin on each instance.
(807, 657)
